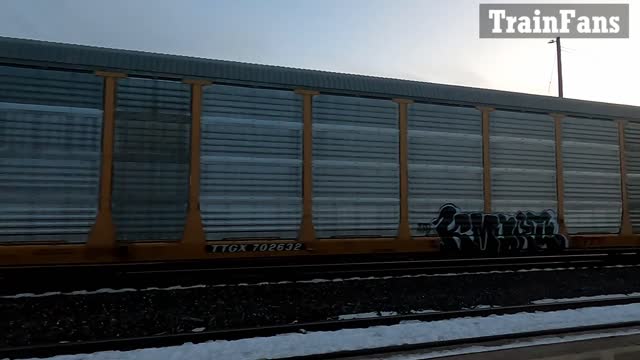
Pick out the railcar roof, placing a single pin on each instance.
(25, 52)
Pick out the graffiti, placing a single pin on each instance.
(498, 233)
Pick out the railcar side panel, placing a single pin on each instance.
(523, 162)
(355, 167)
(445, 162)
(591, 175)
(251, 162)
(632, 157)
(288, 162)
(50, 131)
(151, 159)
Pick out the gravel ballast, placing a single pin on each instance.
(55, 318)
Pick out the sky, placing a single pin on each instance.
(425, 40)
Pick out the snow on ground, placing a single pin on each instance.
(585, 298)
(479, 307)
(367, 315)
(296, 344)
(515, 345)
(109, 290)
(389, 313)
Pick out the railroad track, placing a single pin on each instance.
(123, 344)
(69, 278)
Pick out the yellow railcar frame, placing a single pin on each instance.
(102, 246)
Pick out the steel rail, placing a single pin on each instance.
(44, 280)
(306, 261)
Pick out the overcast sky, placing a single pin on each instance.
(427, 40)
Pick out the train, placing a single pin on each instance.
(117, 156)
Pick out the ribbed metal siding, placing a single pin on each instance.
(591, 175)
(632, 159)
(50, 132)
(251, 184)
(523, 162)
(151, 159)
(445, 160)
(235, 73)
(355, 167)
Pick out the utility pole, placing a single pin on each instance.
(559, 56)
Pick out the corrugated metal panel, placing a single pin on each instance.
(445, 160)
(46, 87)
(50, 135)
(632, 157)
(523, 162)
(251, 163)
(591, 175)
(141, 63)
(355, 167)
(151, 159)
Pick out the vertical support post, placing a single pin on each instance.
(193, 235)
(486, 158)
(103, 233)
(557, 118)
(404, 229)
(625, 228)
(307, 229)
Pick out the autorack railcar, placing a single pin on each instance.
(117, 156)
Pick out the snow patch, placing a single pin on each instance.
(297, 344)
(585, 298)
(366, 315)
(515, 345)
(380, 314)
(480, 307)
